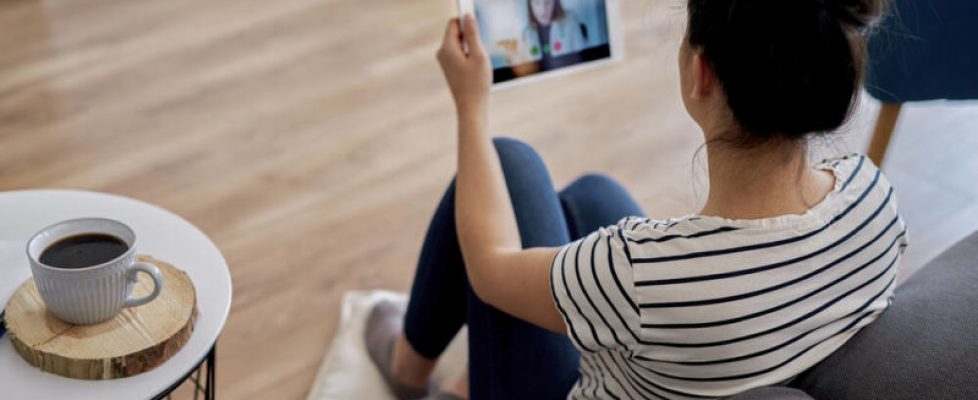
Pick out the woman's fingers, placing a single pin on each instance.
(469, 76)
(471, 35)
(451, 43)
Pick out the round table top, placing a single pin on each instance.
(159, 233)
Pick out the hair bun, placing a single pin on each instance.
(855, 14)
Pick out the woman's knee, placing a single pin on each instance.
(509, 143)
(513, 152)
(598, 200)
(595, 182)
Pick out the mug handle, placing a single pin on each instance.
(153, 272)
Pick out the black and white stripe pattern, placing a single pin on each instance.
(704, 307)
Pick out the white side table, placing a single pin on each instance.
(159, 233)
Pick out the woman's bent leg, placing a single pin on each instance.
(594, 201)
(508, 357)
(436, 309)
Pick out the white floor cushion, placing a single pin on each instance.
(346, 371)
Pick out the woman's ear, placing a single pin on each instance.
(704, 78)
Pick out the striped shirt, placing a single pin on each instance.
(703, 307)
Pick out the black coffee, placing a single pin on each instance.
(83, 250)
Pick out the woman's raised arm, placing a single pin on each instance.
(501, 272)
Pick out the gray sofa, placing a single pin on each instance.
(925, 346)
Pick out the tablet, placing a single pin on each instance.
(532, 39)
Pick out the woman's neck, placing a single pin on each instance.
(770, 180)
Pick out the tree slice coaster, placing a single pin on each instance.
(135, 341)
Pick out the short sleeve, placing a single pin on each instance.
(593, 288)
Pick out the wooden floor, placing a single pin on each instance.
(311, 138)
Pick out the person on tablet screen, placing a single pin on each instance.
(550, 40)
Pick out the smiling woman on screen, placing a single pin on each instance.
(552, 32)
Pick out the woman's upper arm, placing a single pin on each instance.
(585, 289)
(518, 283)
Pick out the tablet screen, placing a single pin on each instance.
(527, 37)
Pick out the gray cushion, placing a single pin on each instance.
(924, 347)
(772, 393)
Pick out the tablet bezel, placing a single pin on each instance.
(615, 44)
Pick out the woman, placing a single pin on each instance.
(784, 263)
(552, 37)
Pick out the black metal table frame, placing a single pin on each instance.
(208, 387)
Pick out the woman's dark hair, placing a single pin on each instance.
(788, 67)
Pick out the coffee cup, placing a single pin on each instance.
(85, 269)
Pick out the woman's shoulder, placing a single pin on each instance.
(843, 161)
(858, 181)
(856, 177)
(848, 166)
(570, 16)
(570, 24)
(651, 230)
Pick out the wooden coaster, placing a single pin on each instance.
(135, 341)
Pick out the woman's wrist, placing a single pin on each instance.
(472, 114)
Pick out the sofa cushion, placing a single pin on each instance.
(925, 346)
(772, 393)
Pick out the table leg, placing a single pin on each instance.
(208, 387)
(212, 373)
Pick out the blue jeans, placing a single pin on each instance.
(508, 357)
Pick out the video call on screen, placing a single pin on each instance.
(524, 37)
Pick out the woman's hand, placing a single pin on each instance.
(469, 75)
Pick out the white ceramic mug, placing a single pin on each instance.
(92, 294)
